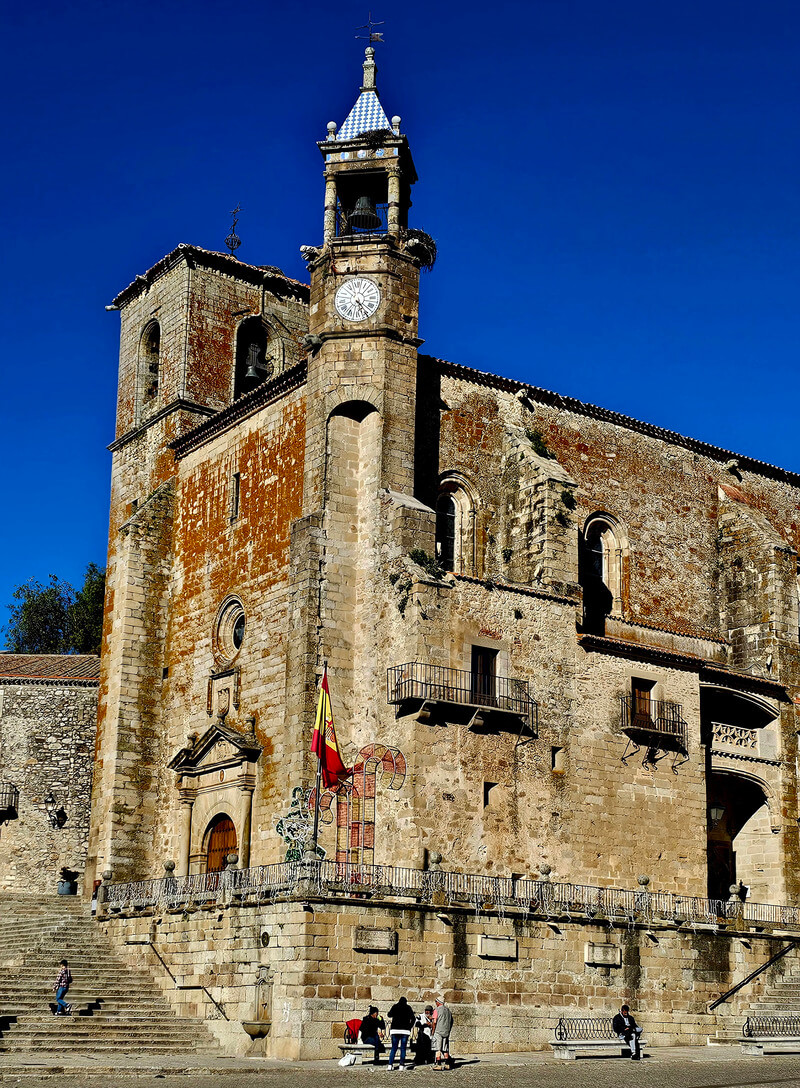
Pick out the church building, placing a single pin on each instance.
(561, 645)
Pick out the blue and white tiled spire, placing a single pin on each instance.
(367, 114)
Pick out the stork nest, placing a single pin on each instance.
(376, 137)
(421, 246)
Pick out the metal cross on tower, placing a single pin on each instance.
(233, 241)
(372, 35)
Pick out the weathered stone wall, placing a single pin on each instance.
(47, 735)
(506, 996)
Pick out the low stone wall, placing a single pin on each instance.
(315, 963)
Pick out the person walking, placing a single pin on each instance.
(442, 1026)
(61, 985)
(401, 1017)
(628, 1031)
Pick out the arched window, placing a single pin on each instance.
(456, 538)
(254, 363)
(446, 516)
(149, 358)
(602, 570)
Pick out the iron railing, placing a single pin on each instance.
(344, 225)
(657, 724)
(489, 894)
(435, 683)
(772, 1027)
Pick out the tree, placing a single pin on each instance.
(54, 618)
(85, 619)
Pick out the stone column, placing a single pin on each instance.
(245, 820)
(329, 225)
(184, 845)
(393, 217)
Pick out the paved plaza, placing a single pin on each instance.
(666, 1067)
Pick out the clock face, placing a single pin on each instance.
(357, 299)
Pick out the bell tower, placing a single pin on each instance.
(363, 312)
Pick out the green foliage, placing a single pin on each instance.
(568, 499)
(536, 439)
(86, 613)
(430, 565)
(54, 618)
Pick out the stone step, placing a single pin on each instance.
(117, 1008)
(42, 1045)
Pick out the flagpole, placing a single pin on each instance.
(318, 787)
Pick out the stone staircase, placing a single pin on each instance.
(116, 1008)
(783, 996)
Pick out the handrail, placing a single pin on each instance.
(181, 985)
(753, 974)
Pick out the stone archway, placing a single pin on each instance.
(741, 845)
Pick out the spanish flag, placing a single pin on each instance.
(323, 743)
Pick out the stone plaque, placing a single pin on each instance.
(497, 948)
(367, 939)
(602, 955)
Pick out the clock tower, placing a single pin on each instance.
(363, 308)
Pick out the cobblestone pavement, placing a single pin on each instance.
(697, 1067)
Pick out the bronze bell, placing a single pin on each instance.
(364, 216)
(254, 368)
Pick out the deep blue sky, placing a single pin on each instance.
(613, 187)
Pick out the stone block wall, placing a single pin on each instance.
(506, 995)
(47, 738)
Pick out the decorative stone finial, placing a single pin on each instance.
(331, 130)
(643, 881)
(396, 125)
(434, 862)
(169, 867)
(370, 70)
(544, 871)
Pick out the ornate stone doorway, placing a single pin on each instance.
(220, 841)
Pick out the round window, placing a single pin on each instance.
(229, 629)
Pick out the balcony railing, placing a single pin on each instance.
(656, 724)
(484, 894)
(437, 684)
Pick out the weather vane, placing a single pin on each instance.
(372, 35)
(233, 241)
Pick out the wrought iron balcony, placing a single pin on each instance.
(657, 724)
(481, 692)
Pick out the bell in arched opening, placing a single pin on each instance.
(364, 216)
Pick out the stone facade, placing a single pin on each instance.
(48, 720)
(559, 640)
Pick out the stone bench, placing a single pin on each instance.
(585, 1033)
(361, 1051)
(780, 1033)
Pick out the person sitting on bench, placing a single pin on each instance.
(628, 1030)
(371, 1031)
